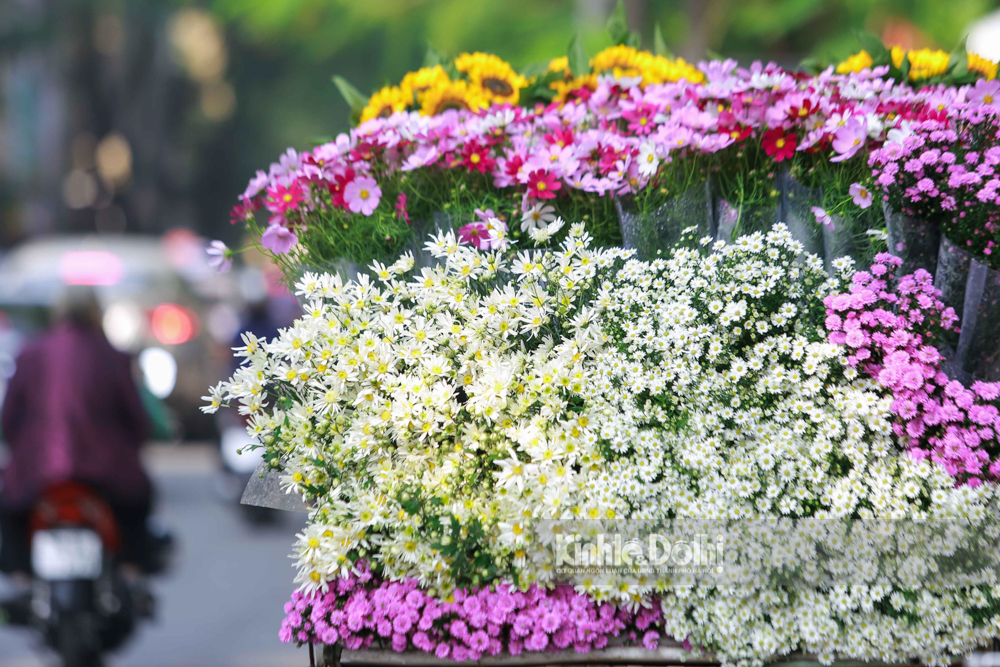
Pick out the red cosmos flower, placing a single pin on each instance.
(802, 111)
(337, 186)
(608, 158)
(779, 145)
(364, 151)
(281, 199)
(737, 132)
(542, 184)
(513, 165)
(401, 211)
(476, 157)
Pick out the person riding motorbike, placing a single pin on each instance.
(73, 412)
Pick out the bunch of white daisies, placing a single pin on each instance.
(458, 425)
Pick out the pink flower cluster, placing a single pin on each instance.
(889, 326)
(611, 140)
(947, 170)
(359, 610)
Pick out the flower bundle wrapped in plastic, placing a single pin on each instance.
(651, 132)
(464, 429)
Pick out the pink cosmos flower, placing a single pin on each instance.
(985, 93)
(850, 138)
(278, 239)
(421, 157)
(256, 184)
(362, 195)
(862, 197)
(822, 217)
(220, 256)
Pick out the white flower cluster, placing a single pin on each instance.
(456, 425)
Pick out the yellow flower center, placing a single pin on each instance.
(474, 158)
(287, 198)
(541, 186)
(780, 143)
(363, 194)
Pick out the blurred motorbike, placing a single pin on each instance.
(80, 601)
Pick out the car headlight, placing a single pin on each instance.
(159, 370)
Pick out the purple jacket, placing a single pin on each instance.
(72, 411)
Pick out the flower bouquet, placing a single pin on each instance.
(527, 441)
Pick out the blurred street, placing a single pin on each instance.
(221, 604)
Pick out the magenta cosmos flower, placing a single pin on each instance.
(362, 195)
(278, 239)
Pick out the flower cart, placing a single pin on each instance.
(732, 441)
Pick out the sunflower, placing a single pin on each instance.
(559, 65)
(657, 69)
(494, 77)
(621, 60)
(925, 64)
(861, 60)
(451, 95)
(986, 68)
(386, 102)
(416, 83)
(897, 53)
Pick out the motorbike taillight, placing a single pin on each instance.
(74, 504)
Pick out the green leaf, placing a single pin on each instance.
(576, 54)
(811, 66)
(958, 64)
(875, 48)
(617, 24)
(659, 44)
(904, 70)
(354, 99)
(633, 39)
(534, 70)
(432, 57)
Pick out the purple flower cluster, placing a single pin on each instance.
(946, 168)
(889, 326)
(360, 610)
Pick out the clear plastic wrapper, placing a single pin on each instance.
(420, 230)
(979, 342)
(952, 274)
(656, 233)
(914, 241)
(264, 490)
(796, 212)
(733, 221)
(846, 238)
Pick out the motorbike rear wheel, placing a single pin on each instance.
(77, 642)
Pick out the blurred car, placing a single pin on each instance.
(156, 293)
